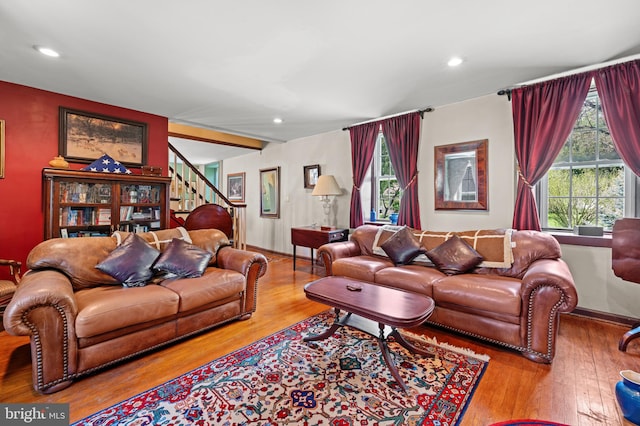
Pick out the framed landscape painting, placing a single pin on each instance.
(270, 193)
(235, 187)
(85, 137)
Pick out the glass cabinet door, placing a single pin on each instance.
(140, 207)
(84, 209)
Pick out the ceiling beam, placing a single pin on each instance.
(206, 135)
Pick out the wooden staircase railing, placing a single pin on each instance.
(190, 189)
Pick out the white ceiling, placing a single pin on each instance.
(233, 66)
(199, 153)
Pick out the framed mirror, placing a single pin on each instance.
(461, 176)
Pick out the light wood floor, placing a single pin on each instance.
(577, 389)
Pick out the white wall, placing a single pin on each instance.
(297, 207)
(598, 288)
(487, 117)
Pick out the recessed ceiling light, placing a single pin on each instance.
(277, 120)
(47, 51)
(454, 62)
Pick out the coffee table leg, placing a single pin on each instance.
(324, 335)
(329, 332)
(401, 340)
(386, 354)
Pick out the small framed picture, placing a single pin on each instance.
(235, 187)
(311, 174)
(64, 233)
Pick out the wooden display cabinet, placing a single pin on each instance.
(79, 203)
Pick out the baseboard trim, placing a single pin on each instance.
(276, 253)
(605, 316)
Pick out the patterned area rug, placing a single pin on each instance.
(281, 380)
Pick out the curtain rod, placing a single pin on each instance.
(575, 71)
(420, 111)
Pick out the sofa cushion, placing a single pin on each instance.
(214, 286)
(76, 258)
(414, 278)
(495, 297)
(130, 263)
(105, 309)
(183, 259)
(454, 256)
(402, 247)
(211, 240)
(528, 246)
(360, 267)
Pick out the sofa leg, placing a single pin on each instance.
(536, 358)
(245, 317)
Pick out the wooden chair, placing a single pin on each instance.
(211, 216)
(8, 287)
(625, 262)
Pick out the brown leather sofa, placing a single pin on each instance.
(81, 319)
(514, 304)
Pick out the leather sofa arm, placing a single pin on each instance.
(550, 273)
(334, 251)
(548, 290)
(39, 290)
(44, 307)
(250, 264)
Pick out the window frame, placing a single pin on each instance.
(631, 185)
(377, 177)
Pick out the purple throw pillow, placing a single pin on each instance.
(183, 259)
(130, 262)
(454, 256)
(402, 247)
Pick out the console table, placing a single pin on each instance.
(315, 236)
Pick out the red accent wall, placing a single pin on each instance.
(31, 141)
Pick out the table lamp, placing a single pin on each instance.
(326, 186)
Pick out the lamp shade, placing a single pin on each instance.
(326, 185)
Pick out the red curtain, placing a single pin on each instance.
(543, 116)
(363, 145)
(403, 138)
(619, 90)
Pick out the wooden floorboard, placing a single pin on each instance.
(577, 389)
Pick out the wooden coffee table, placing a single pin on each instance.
(367, 304)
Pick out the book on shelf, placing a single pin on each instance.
(126, 212)
(104, 216)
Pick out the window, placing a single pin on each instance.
(386, 192)
(588, 183)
